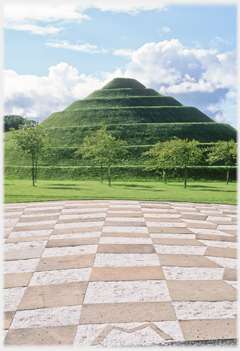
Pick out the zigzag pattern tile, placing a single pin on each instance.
(119, 273)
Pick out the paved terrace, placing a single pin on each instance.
(119, 273)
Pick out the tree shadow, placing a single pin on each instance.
(62, 188)
(134, 186)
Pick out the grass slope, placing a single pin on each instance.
(46, 190)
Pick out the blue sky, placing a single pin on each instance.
(56, 54)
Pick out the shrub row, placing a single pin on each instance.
(127, 173)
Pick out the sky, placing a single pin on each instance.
(56, 53)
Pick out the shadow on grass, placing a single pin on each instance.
(134, 186)
(62, 188)
(57, 184)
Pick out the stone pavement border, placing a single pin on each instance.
(120, 273)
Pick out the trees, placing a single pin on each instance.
(225, 151)
(101, 147)
(13, 121)
(157, 159)
(175, 153)
(31, 140)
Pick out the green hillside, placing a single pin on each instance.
(132, 112)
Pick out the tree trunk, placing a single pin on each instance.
(33, 170)
(101, 174)
(109, 176)
(36, 172)
(227, 176)
(164, 176)
(185, 177)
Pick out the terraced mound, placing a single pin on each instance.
(132, 112)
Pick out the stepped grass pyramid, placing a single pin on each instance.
(131, 112)
(130, 109)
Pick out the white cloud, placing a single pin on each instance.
(87, 48)
(126, 53)
(39, 97)
(33, 29)
(166, 30)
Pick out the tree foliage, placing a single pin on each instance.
(101, 147)
(31, 141)
(225, 151)
(14, 121)
(174, 153)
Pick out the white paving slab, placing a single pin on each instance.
(186, 310)
(216, 243)
(165, 224)
(83, 216)
(125, 260)
(192, 273)
(46, 317)
(208, 231)
(30, 233)
(70, 250)
(79, 224)
(186, 250)
(20, 266)
(224, 261)
(60, 276)
(124, 240)
(125, 219)
(119, 229)
(173, 236)
(127, 291)
(12, 298)
(76, 236)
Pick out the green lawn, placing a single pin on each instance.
(52, 190)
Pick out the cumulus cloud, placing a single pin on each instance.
(87, 48)
(39, 97)
(126, 53)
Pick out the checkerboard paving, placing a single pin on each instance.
(119, 273)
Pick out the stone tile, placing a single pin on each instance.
(23, 254)
(38, 219)
(27, 238)
(30, 233)
(17, 279)
(20, 266)
(209, 329)
(127, 312)
(47, 296)
(230, 232)
(224, 223)
(125, 260)
(65, 262)
(61, 335)
(216, 237)
(121, 229)
(127, 235)
(8, 317)
(224, 262)
(163, 219)
(193, 216)
(75, 230)
(201, 290)
(184, 242)
(10, 224)
(70, 250)
(80, 220)
(186, 261)
(12, 298)
(125, 240)
(33, 227)
(124, 208)
(201, 225)
(72, 242)
(126, 273)
(192, 273)
(47, 317)
(126, 291)
(230, 274)
(221, 252)
(33, 211)
(131, 214)
(169, 230)
(184, 250)
(125, 224)
(81, 225)
(13, 209)
(126, 248)
(63, 276)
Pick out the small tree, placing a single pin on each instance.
(31, 140)
(225, 151)
(101, 147)
(176, 153)
(157, 159)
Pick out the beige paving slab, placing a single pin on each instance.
(80, 220)
(193, 216)
(76, 230)
(127, 312)
(201, 225)
(23, 254)
(88, 202)
(132, 214)
(124, 208)
(201, 290)
(10, 224)
(221, 252)
(216, 237)
(229, 223)
(28, 238)
(209, 329)
(126, 273)
(29, 211)
(125, 248)
(65, 262)
(60, 335)
(128, 235)
(169, 230)
(125, 224)
(37, 219)
(72, 242)
(48, 296)
(162, 219)
(231, 232)
(13, 209)
(175, 241)
(33, 227)
(186, 261)
(8, 317)
(230, 274)
(161, 212)
(14, 280)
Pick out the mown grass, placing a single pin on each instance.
(51, 190)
